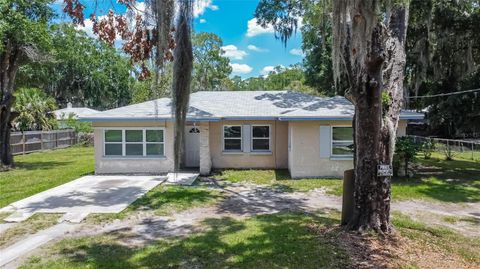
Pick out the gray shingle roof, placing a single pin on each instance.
(218, 105)
(79, 112)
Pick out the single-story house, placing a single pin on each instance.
(75, 112)
(308, 135)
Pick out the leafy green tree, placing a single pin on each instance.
(210, 68)
(24, 37)
(443, 56)
(33, 108)
(85, 71)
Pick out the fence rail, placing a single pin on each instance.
(463, 149)
(31, 141)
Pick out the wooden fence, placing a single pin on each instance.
(31, 141)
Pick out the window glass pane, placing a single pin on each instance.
(134, 135)
(342, 148)
(233, 144)
(154, 135)
(232, 131)
(261, 144)
(155, 149)
(342, 133)
(113, 135)
(113, 149)
(134, 149)
(261, 131)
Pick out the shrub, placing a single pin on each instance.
(33, 107)
(427, 148)
(405, 152)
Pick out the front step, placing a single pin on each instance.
(181, 178)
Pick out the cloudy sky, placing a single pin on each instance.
(252, 50)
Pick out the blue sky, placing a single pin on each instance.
(252, 50)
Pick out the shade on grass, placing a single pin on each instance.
(439, 180)
(268, 241)
(41, 171)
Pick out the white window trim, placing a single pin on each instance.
(144, 142)
(333, 141)
(269, 138)
(239, 138)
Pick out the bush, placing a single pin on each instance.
(72, 123)
(405, 152)
(427, 148)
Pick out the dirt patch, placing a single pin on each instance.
(374, 252)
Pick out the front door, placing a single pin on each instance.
(192, 146)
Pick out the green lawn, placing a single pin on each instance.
(41, 171)
(284, 240)
(266, 241)
(165, 200)
(444, 181)
(278, 179)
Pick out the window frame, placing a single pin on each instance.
(340, 141)
(239, 138)
(124, 143)
(261, 138)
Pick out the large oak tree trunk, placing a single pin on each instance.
(8, 69)
(376, 61)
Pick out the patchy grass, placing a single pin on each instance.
(41, 171)
(284, 240)
(441, 180)
(32, 225)
(438, 180)
(164, 200)
(445, 239)
(267, 241)
(279, 179)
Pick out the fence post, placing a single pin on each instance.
(23, 143)
(41, 140)
(472, 151)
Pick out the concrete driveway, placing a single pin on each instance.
(88, 194)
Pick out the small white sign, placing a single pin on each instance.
(384, 170)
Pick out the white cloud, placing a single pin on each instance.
(232, 52)
(200, 6)
(257, 49)
(297, 52)
(241, 68)
(203, 20)
(267, 69)
(253, 29)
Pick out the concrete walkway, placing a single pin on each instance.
(89, 194)
(34, 241)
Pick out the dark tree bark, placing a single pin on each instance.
(9, 62)
(371, 51)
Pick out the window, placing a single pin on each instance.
(232, 138)
(342, 141)
(134, 142)
(261, 138)
(113, 142)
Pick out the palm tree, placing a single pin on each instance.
(32, 107)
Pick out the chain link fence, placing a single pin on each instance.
(450, 148)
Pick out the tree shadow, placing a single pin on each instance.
(40, 165)
(266, 241)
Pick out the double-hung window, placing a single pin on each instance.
(113, 142)
(342, 141)
(134, 142)
(232, 138)
(261, 138)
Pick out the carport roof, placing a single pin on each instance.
(242, 105)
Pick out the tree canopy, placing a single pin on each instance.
(83, 70)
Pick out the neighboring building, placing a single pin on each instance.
(76, 112)
(310, 136)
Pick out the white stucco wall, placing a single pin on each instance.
(133, 165)
(304, 156)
